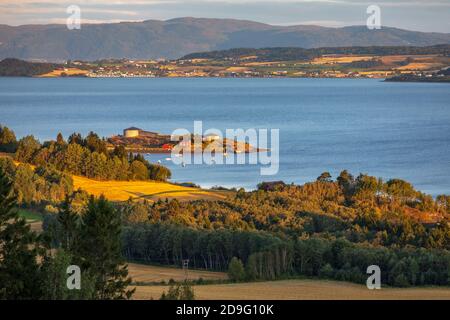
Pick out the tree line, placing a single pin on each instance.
(265, 256)
(11, 67)
(361, 209)
(85, 156)
(295, 53)
(327, 228)
(42, 187)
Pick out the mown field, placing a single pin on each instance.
(150, 190)
(299, 290)
(267, 290)
(147, 274)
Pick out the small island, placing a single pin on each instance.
(138, 140)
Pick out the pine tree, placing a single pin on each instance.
(100, 250)
(69, 225)
(54, 279)
(19, 271)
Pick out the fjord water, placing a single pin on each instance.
(385, 129)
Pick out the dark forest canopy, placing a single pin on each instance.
(293, 53)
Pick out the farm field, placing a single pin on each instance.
(149, 190)
(299, 290)
(146, 273)
(67, 72)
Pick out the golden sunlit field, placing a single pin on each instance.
(146, 273)
(237, 69)
(419, 66)
(67, 71)
(299, 290)
(340, 59)
(150, 190)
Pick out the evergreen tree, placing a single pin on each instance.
(19, 270)
(54, 279)
(68, 221)
(100, 250)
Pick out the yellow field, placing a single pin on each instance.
(299, 290)
(145, 273)
(340, 59)
(383, 73)
(420, 66)
(236, 69)
(68, 71)
(248, 57)
(262, 64)
(150, 190)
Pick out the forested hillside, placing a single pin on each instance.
(19, 68)
(295, 53)
(327, 228)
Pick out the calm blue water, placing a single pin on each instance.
(384, 129)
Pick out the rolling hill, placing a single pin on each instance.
(177, 37)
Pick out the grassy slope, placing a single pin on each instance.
(30, 215)
(151, 190)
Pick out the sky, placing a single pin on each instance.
(420, 15)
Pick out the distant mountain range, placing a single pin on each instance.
(178, 37)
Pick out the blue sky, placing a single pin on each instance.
(421, 15)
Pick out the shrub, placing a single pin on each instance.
(236, 270)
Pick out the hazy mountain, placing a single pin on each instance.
(177, 37)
